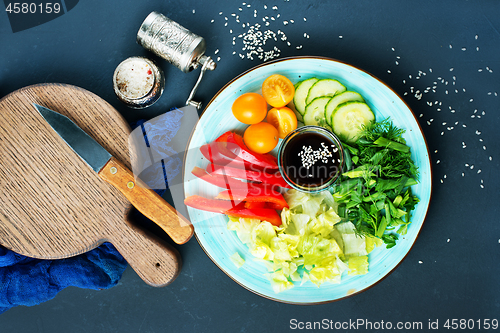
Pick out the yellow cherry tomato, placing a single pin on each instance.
(283, 119)
(261, 138)
(250, 108)
(278, 90)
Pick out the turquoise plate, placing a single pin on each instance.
(210, 228)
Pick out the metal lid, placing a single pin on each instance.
(138, 82)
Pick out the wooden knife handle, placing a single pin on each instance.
(147, 201)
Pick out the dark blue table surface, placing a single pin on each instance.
(452, 271)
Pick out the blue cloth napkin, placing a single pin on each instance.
(28, 281)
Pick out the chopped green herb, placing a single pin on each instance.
(375, 192)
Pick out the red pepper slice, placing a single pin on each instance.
(266, 178)
(223, 137)
(237, 147)
(214, 153)
(256, 204)
(209, 205)
(226, 182)
(263, 214)
(254, 194)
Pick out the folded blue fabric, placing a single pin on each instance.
(29, 281)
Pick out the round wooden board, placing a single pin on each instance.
(53, 205)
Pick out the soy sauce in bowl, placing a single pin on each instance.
(311, 159)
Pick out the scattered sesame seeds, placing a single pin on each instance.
(257, 42)
(309, 156)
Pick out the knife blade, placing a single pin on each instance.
(144, 199)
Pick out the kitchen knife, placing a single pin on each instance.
(144, 199)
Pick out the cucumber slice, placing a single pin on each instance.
(347, 119)
(301, 91)
(315, 111)
(346, 96)
(325, 87)
(299, 116)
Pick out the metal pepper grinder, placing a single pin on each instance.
(176, 44)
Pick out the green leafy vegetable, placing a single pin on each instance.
(375, 193)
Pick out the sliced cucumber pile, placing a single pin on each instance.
(328, 103)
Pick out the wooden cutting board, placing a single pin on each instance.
(52, 204)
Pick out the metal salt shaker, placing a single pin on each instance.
(176, 44)
(138, 82)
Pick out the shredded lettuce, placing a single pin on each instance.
(312, 244)
(237, 260)
(358, 265)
